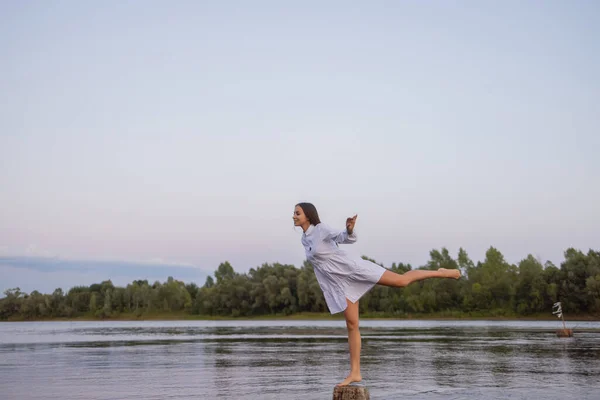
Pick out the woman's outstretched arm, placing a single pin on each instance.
(343, 237)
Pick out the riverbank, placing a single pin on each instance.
(182, 316)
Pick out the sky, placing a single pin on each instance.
(141, 141)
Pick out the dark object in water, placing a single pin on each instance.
(564, 332)
(561, 332)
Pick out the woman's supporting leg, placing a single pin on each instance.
(351, 315)
(390, 278)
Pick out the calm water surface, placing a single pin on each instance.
(297, 360)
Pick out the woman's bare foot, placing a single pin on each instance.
(450, 273)
(349, 379)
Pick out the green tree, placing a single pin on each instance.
(530, 287)
(93, 303)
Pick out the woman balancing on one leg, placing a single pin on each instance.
(345, 280)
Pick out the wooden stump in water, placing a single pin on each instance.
(564, 333)
(350, 393)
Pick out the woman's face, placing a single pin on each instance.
(299, 217)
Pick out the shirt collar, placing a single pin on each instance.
(310, 229)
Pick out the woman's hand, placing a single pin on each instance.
(350, 224)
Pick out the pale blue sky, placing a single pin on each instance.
(182, 133)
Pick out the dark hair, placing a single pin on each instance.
(311, 213)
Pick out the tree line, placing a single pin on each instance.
(492, 287)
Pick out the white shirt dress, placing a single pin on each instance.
(339, 275)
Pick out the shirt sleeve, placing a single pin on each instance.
(338, 236)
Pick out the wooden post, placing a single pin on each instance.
(564, 333)
(350, 393)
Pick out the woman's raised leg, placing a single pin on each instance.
(390, 278)
(351, 315)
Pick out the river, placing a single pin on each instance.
(283, 359)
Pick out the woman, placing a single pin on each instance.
(345, 280)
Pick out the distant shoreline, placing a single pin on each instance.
(307, 316)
